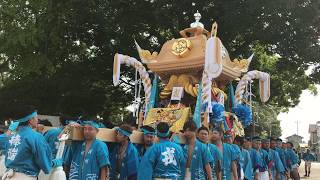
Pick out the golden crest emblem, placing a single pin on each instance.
(181, 47)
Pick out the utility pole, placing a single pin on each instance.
(270, 127)
(297, 127)
(250, 103)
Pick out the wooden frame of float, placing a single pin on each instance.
(109, 135)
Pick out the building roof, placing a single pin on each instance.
(294, 136)
(312, 128)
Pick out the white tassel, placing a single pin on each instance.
(57, 172)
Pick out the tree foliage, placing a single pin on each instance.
(58, 55)
(265, 120)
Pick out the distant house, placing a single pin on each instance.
(313, 135)
(295, 139)
(314, 142)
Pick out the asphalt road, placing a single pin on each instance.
(315, 171)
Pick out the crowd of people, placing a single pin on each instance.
(206, 154)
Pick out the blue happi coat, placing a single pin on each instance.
(292, 158)
(141, 150)
(229, 156)
(26, 152)
(239, 159)
(308, 157)
(217, 159)
(162, 160)
(260, 160)
(282, 156)
(200, 157)
(128, 165)
(51, 136)
(246, 163)
(276, 165)
(85, 166)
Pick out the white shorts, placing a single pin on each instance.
(241, 175)
(2, 165)
(188, 174)
(18, 176)
(308, 164)
(295, 166)
(263, 175)
(43, 176)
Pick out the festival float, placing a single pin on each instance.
(193, 77)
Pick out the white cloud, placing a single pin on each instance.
(306, 112)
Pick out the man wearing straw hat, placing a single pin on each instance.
(26, 150)
(163, 160)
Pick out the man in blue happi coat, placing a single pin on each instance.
(26, 150)
(228, 138)
(277, 168)
(197, 155)
(260, 160)
(293, 161)
(52, 135)
(229, 163)
(308, 158)
(245, 159)
(124, 156)
(148, 140)
(88, 159)
(247, 143)
(42, 124)
(203, 136)
(164, 160)
(283, 157)
(276, 145)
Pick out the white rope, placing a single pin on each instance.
(250, 95)
(135, 93)
(138, 102)
(135, 84)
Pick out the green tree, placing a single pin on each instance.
(58, 57)
(58, 54)
(265, 120)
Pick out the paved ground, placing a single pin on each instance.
(315, 171)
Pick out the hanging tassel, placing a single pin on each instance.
(197, 111)
(153, 96)
(231, 98)
(226, 124)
